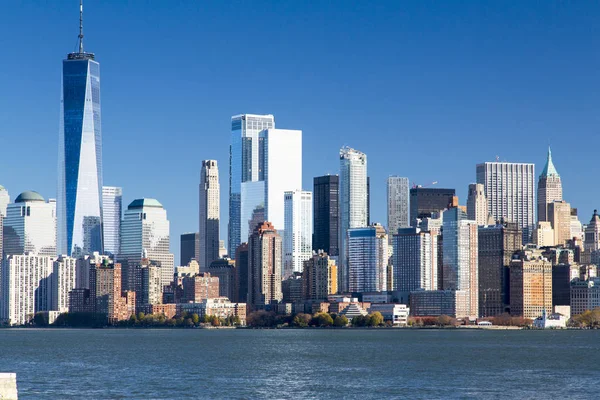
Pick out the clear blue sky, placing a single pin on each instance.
(426, 89)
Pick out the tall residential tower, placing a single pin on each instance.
(112, 205)
(397, 205)
(209, 214)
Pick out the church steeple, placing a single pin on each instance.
(549, 169)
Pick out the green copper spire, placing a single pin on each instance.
(549, 169)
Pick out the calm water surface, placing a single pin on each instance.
(350, 364)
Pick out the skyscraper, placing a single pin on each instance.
(591, 241)
(209, 214)
(243, 166)
(397, 204)
(4, 200)
(62, 280)
(559, 215)
(298, 230)
(264, 266)
(30, 226)
(367, 259)
(477, 204)
(426, 201)
(319, 277)
(510, 193)
(326, 214)
(352, 204)
(112, 199)
(145, 234)
(187, 249)
(549, 188)
(80, 155)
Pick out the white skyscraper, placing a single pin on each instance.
(510, 192)
(4, 200)
(63, 280)
(367, 259)
(112, 200)
(477, 207)
(209, 214)
(145, 231)
(30, 226)
(25, 288)
(397, 204)
(298, 230)
(352, 203)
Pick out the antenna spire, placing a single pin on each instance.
(80, 26)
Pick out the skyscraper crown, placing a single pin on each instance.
(549, 169)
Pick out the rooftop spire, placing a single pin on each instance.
(80, 26)
(549, 169)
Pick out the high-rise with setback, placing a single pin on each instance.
(549, 188)
(209, 214)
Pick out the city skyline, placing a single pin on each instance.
(316, 129)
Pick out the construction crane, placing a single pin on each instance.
(415, 186)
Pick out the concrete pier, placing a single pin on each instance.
(8, 386)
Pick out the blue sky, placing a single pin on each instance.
(426, 89)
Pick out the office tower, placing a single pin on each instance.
(112, 198)
(591, 241)
(79, 203)
(4, 200)
(209, 214)
(543, 234)
(352, 205)
(426, 202)
(319, 277)
(224, 269)
(298, 230)
(241, 266)
(559, 216)
(62, 280)
(243, 167)
(530, 285)
(367, 259)
(105, 292)
(264, 266)
(187, 247)
(326, 214)
(576, 229)
(477, 204)
(549, 188)
(415, 262)
(145, 234)
(460, 256)
(25, 287)
(30, 226)
(497, 244)
(510, 193)
(397, 205)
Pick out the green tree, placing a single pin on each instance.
(41, 319)
(340, 321)
(140, 316)
(261, 319)
(321, 319)
(375, 319)
(360, 320)
(301, 320)
(195, 319)
(445, 320)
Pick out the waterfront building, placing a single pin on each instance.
(319, 277)
(145, 234)
(497, 244)
(112, 206)
(549, 189)
(220, 307)
(428, 202)
(30, 226)
(151, 289)
(352, 310)
(433, 303)
(397, 314)
(559, 215)
(326, 214)
(298, 230)
(189, 248)
(225, 270)
(530, 285)
(242, 271)
(79, 204)
(415, 262)
(80, 301)
(62, 281)
(585, 295)
(199, 287)
(353, 205)
(243, 167)
(367, 259)
(25, 288)
(510, 193)
(209, 214)
(397, 205)
(105, 292)
(477, 204)
(264, 266)
(543, 234)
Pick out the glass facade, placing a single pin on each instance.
(112, 198)
(397, 202)
(367, 259)
(80, 157)
(297, 238)
(424, 202)
(326, 214)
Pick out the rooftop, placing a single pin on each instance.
(29, 195)
(141, 203)
(549, 169)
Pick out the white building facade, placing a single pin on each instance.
(298, 231)
(112, 210)
(63, 280)
(209, 214)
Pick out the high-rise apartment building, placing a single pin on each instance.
(415, 262)
(62, 280)
(112, 206)
(145, 234)
(460, 256)
(298, 231)
(189, 243)
(105, 292)
(367, 259)
(477, 204)
(559, 215)
(200, 287)
(425, 202)
(265, 255)
(326, 214)
(319, 277)
(549, 189)
(530, 285)
(497, 244)
(397, 205)
(242, 270)
(30, 226)
(510, 193)
(224, 269)
(209, 214)
(150, 290)
(243, 167)
(80, 155)
(352, 204)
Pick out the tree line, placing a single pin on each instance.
(268, 319)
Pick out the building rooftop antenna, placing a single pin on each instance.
(80, 26)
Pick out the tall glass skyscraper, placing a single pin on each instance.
(397, 203)
(112, 204)
(243, 167)
(80, 155)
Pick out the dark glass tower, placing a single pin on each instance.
(326, 214)
(425, 201)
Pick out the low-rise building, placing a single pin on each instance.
(168, 310)
(396, 313)
(552, 321)
(219, 306)
(432, 303)
(353, 310)
(585, 295)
